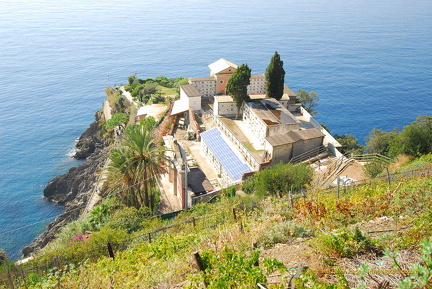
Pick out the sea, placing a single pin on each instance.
(370, 62)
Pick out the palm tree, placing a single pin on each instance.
(135, 165)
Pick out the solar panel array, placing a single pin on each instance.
(231, 163)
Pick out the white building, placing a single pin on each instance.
(190, 95)
(205, 85)
(224, 156)
(257, 84)
(224, 105)
(220, 73)
(267, 117)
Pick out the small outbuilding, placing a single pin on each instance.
(286, 146)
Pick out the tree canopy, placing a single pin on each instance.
(279, 179)
(415, 139)
(308, 99)
(237, 85)
(349, 144)
(134, 166)
(117, 119)
(275, 77)
(379, 141)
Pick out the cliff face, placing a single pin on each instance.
(73, 189)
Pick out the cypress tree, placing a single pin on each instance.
(275, 76)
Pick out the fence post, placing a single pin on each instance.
(388, 176)
(57, 264)
(111, 282)
(110, 250)
(193, 222)
(255, 246)
(149, 237)
(337, 190)
(200, 264)
(234, 214)
(9, 278)
(344, 188)
(23, 277)
(291, 199)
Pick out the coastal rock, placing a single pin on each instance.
(74, 188)
(65, 188)
(50, 232)
(88, 141)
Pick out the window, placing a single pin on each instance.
(221, 81)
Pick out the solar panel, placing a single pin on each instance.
(229, 160)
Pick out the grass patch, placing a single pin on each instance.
(165, 91)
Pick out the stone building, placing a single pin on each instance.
(284, 147)
(220, 73)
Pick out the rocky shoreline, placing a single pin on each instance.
(73, 189)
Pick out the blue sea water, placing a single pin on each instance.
(369, 61)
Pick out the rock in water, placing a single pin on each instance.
(73, 189)
(90, 139)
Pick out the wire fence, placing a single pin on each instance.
(18, 275)
(389, 178)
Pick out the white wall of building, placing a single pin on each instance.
(329, 141)
(193, 102)
(257, 86)
(226, 109)
(255, 124)
(206, 88)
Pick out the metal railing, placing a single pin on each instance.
(309, 154)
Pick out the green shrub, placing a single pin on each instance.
(279, 179)
(128, 218)
(421, 276)
(283, 232)
(375, 167)
(230, 269)
(117, 119)
(343, 243)
(3, 256)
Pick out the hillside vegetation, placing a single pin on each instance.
(371, 236)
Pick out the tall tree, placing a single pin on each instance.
(237, 86)
(379, 141)
(349, 144)
(415, 139)
(135, 165)
(275, 77)
(308, 99)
